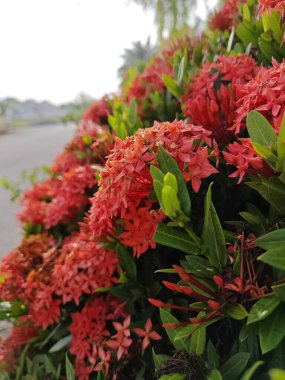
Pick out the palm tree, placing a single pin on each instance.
(137, 56)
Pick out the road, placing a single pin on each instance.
(20, 150)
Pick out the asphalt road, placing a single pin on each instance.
(20, 150)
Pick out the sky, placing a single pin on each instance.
(55, 49)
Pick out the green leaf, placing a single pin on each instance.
(133, 112)
(171, 85)
(215, 374)
(279, 290)
(158, 186)
(251, 219)
(260, 130)
(272, 330)
(168, 164)
(236, 312)
(262, 309)
(60, 344)
(174, 238)
(200, 266)
(127, 262)
(158, 359)
(264, 152)
(271, 240)
(198, 341)
(156, 174)
(167, 317)
(234, 366)
(281, 146)
(173, 376)
(274, 257)
(70, 373)
(180, 71)
(250, 371)
(212, 356)
(246, 13)
(277, 374)
(214, 243)
(272, 190)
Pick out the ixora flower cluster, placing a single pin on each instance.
(155, 249)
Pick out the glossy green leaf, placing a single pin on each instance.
(214, 243)
(274, 257)
(262, 309)
(264, 152)
(174, 238)
(70, 373)
(234, 366)
(237, 312)
(158, 359)
(168, 164)
(171, 85)
(271, 240)
(272, 330)
(250, 371)
(260, 130)
(212, 356)
(156, 174)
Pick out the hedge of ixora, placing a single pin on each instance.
(156, 248)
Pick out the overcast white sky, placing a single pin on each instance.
(54, 49)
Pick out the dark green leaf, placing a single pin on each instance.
(215, 374)
(127, 262)
(198, 341)
(272, 239)
(274, 257)
(174, 238)
(234, 366)
(212, 356)
(214, 243)
(281, 146)
(272, 330)
(200, 266)
(279, 290)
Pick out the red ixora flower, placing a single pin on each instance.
(121, 207)
(242, 155)
(147, 334)
(227, 16)
(90, 334)
(265, 93)
(82, 267)
(269, 5)
(211, 97)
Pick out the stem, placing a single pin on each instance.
(262, 296)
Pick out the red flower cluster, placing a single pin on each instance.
(227, 16)
(58, 200)
(82, 267)
(268, 5)
(211, 98)
(265, 94)
(91, 341)
(97, 113)
(121, 206)
(242, 155)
